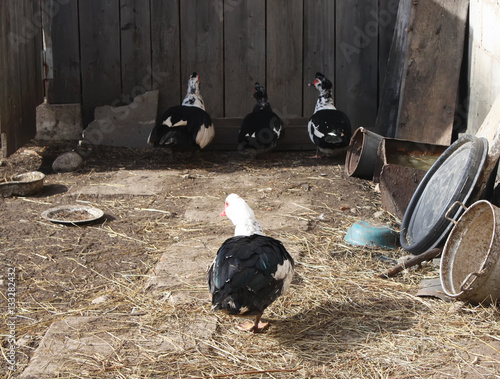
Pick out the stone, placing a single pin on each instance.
(127, 182)
(67, 162)
(58, 122)
(182, 270)
(124, 126)
(88, 344)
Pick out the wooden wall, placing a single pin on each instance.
(21, 87)
(126, 47)
(106, 52)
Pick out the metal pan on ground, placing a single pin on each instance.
(25, 184)
(72, 214)
(450, 179)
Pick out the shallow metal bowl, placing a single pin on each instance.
(26, 184)
(72, 214)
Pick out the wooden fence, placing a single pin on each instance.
(108, 51)
(21, 88)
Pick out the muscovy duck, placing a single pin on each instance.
(329, 128)
(260, 129)
(251, 270)
(187, 125)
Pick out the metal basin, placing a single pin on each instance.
(26, 184)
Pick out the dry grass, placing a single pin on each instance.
(338, 320)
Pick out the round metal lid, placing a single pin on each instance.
(451, 178)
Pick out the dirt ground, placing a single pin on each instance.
(345, 318)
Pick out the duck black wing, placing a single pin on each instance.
(260, 130)
(183, 126)
(330, 129)
(248, 274)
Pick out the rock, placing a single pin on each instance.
(67, 162)
(84, 344)
(179, 271)
(125, 126)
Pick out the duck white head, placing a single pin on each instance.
(242, 216)
(193, 97)
(324, 86)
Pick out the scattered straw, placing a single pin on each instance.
(337, 320)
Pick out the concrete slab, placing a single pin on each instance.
(206, 209)
(181, 274)
(90, 345)
(127, 182)
(271, 212)
(125, 126)
(56, 122)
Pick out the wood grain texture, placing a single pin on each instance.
(431, 72)
(285, 83)
(62, 40)
(356, 68)
(15, 37)
(27, 69)
(386, 19)
(244, 53)
(100, 55)
(319, 54)
(387, 116)
(294, 138)
(107, 51)
(9, 113)
(165, 51)
(20, 89)
(135, 40)
(39, 81)
(202, 50)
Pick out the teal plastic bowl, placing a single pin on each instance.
(362, 233)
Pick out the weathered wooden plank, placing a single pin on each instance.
(386, 21)
(356, 68)
(244, 53)
(202, 50)
(295, 137)
(60, 22)
(16, 35)
(26, 129)
(5, 126)
(387, 115)
(431, 72)
(39, 80)
(100, 55)
(319, 54)
(285, 83)
(165, 35)
(135, 48)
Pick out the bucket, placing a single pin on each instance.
(362, 154)
(470, 268)
(362, 233)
